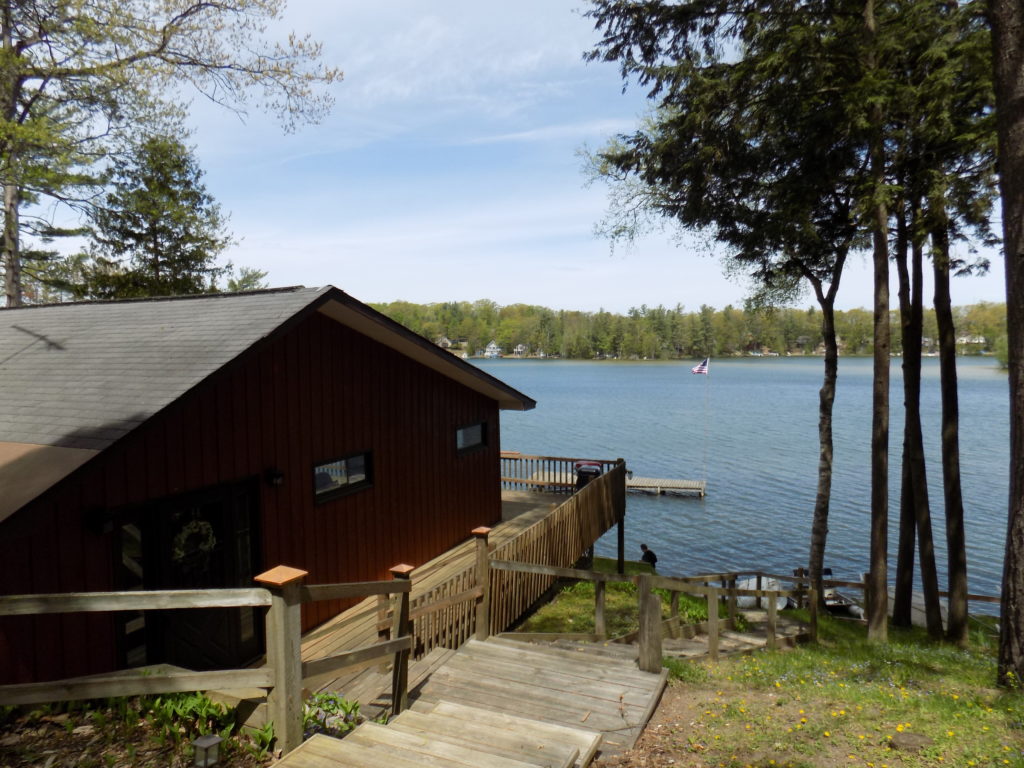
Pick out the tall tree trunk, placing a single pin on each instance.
(826, 400)
(903, 594)
(877, 586)
(917, 475)
(1007, 17)
(11, 256)
(956, 628)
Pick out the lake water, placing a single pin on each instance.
(750, 429)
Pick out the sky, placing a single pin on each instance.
(450, 169)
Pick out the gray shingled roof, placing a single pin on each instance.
(82, 375)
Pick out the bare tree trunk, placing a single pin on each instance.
(11, 256)
(1007, 17)
(877, 586)
(903, 594)
(915, 439)
(826, 400)
(956, 628)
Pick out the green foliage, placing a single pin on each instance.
(183, 716)
(330, 713)
(83, 80)
(660, 333)
(158, 231)
(261, 740)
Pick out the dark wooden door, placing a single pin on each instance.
(203, 540)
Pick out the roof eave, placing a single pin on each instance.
(339, 306)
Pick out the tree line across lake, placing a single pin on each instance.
(661, 333)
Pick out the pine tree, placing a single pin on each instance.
(158, 231)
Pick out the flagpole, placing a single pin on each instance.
(707, 427)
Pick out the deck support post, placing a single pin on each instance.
(649, 658)
(483, 580)
(284, 653)
(772, 620)
(673, 615)
(760, 585)
(400, 628)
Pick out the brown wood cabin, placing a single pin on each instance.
(194, 442)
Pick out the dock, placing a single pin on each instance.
(662, 486)
(554, 481)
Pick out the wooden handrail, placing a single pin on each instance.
(560, 573)
(96, 602)
(346, 591)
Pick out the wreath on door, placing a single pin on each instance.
(194, 542)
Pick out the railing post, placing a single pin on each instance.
(400, 628)
(674, 615)
(284, 653)
(732, 602)
(599, 625)
(620, 531)
(649, 657)
(812, 596)
(760, 584)
(483, 579)
(713, 623)
(772, 620)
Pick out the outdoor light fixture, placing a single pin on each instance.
(206, 751)
(274, 477)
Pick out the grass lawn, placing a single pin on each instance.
(842, 703)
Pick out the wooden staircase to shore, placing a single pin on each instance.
(497, 704)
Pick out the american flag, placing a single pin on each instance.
(702, 367)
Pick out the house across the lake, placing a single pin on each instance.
(194, 442)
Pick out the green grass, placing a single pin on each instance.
(842, 701)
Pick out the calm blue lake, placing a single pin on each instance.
(750, 429)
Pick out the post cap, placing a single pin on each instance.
(280, 575)
(481, 532)
(401, 571)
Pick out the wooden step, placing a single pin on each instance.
(587, 742)
(519, 743)
(429, 750)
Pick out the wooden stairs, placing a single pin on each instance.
(500, 704)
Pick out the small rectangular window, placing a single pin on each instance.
(341, 476)
(471, 437)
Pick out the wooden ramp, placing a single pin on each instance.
(499, 703)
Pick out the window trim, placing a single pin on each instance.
(475, 446)
(320, 497)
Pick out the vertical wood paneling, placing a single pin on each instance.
(316, 393)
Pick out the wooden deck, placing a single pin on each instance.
(357, 626)
(500, 703)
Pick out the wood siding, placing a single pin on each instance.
(313, 393)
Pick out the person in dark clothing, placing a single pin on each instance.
(648, 556)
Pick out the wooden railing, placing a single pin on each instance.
(559, 540)
(651, 623)
(449, 614)
(553, 474)
(283, 593)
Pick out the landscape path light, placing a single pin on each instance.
(206, 751)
